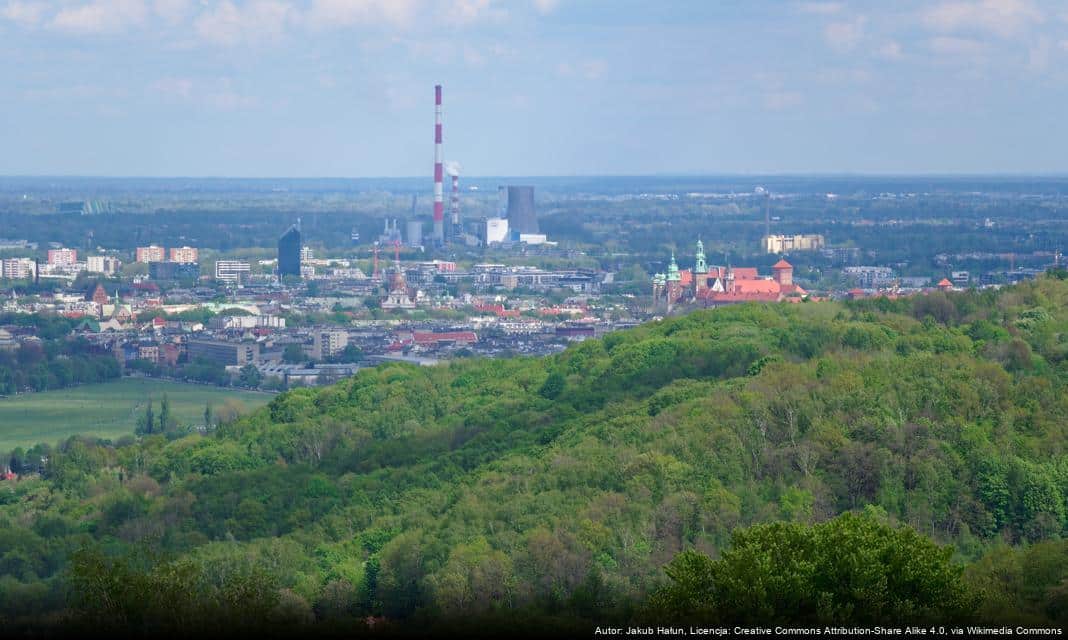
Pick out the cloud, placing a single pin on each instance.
(546, 7)
(101, 16)
(26, 14)
(781, 100)
(821, 8)
(229, 24)
(844, 36)
(469, 11)
(1038, 55)
(953, 46)
(890, 50)
(174, 87)
(218, 94)
(173, 11)
(589, 69)
(345, 13)
(999, 17)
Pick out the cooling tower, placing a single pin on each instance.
(521, 215)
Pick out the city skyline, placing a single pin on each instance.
(541, 88)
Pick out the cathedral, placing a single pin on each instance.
(713, 286)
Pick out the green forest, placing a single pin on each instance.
(872, 461)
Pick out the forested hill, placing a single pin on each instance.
(562, 486)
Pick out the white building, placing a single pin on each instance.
(232, 271)
(496, 230)
(18, 268)
(106, 265)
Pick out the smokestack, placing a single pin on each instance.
(455, 202)
(439, 205)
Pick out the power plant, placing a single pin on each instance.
(521, 215)
(439, 204)
(455, 226)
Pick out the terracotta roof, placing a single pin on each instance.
(745, 273)
(782, 264)
(945, 283)
(756, 286)
(685, 277)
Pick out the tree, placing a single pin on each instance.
(164, 414)
(250, 376)
(853, 569)
(293, 354)
(207, 415)
(553, 386)
(148, 423)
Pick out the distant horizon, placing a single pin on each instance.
(683, 174)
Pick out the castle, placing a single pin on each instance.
(713, 286)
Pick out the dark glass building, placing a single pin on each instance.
(289, 253)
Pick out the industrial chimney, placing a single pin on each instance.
(455, 228)
(439, 205)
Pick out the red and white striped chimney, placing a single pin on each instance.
(439, 206)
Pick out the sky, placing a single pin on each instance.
(344, 88)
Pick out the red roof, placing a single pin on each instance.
(745, 273)
(945, 283)
(756, 286)
(430, 337)
(685, 277)
(782, 264)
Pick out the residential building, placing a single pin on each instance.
(327, 343)
(779, 244)
(870, 277)
(18, 268)
(232, 271)
(185, 254)
(151, 253)
(106, 265)
(62, 257)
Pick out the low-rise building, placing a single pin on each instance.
(224, 353)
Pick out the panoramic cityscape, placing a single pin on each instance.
(676, 319)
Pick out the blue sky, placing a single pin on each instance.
(532, 87)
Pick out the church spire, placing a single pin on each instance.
(700, 265)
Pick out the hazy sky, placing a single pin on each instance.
(532, 87)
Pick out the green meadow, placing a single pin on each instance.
(109, 410)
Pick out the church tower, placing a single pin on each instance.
(700, 269)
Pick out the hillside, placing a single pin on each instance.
(563, 486)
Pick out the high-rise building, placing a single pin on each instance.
(786, 244)
(17, 268)
(103, 264)
(232, 271)
(328, 342)
(184, 254)
(151, 253)
(62, 257)
(289, 253)
(521, 215)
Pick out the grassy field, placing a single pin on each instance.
(107, 410)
